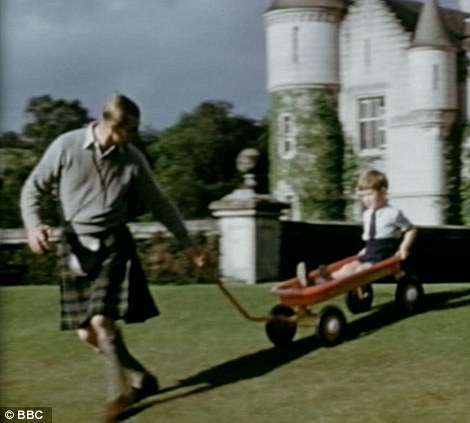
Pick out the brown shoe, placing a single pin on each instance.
(116, 408)
(149, 388)
(325, 275)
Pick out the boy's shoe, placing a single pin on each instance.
(325, 275)
(150, 387)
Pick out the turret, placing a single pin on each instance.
(416, 158)
(302, 38)
(302, 43)
(433, 63)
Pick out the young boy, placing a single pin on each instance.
(387, 231)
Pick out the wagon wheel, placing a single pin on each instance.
(280, 332)
(331, 326)
(409, 295)
(360, 303)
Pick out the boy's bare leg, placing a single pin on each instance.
(301, 273)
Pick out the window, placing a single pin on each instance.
(367, 53)
(287, 142)
(435, 77)
(295, 44)
(372, 123)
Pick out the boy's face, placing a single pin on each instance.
(372, 198)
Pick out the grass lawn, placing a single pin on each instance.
(217, 367)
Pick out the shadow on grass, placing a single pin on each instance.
(246, 367)
(387, 314)
(267, 360)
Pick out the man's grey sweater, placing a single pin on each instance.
(95, 188)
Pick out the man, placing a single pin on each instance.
(98, 174)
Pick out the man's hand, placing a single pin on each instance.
(198, 256)
(38, 239)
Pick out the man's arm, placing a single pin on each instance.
(159, 204)
(38, 183)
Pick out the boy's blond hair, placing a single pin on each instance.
(119, 108)
(372, 179)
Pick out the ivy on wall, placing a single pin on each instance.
(453, 167)
(351, 170)
(464, 190)
(316, 171)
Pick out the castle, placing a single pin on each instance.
(397, 74)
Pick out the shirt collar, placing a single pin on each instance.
(92, 142)
(89, 135)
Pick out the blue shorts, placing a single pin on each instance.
(379, 249)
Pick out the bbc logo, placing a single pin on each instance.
(26, 414)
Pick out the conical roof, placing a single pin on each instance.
(430, 31)
(294, 4)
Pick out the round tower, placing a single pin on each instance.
(433, 63)
(302, 41)
(416, 161)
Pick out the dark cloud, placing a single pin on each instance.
(169, 55)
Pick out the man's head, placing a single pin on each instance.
(122, 117)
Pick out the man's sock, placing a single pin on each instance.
(117, 383)
(134, 368)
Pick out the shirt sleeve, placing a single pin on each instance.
(159, 204)
(402, 222)
(365, 224)
(38, 183)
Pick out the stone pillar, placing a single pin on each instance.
(250, 233)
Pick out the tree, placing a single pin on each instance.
(50, 118)
(195, 159)
(15, 165)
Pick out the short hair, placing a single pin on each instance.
(119, 109)
(372, 179)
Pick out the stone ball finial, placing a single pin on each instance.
(246, 161)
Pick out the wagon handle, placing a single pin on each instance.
(239, 307)
(287, 319)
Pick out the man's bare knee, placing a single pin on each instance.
(102, 326)
(87, 335)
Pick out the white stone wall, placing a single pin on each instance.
(415, 170)
(368, 54)
(376, 60)
(302, 48)
(432, 79)
(373, 61)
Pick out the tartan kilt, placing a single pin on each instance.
(113, 283)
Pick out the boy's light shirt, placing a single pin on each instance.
(390, 223)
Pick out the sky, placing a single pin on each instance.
(167, 55)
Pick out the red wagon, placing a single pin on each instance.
(296, 300)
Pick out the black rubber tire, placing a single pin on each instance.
(281, 333)
(331, 326)
(409, 295)
(357, 305)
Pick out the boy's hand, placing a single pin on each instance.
(403, 253)
(198, 256)
(38, 239)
